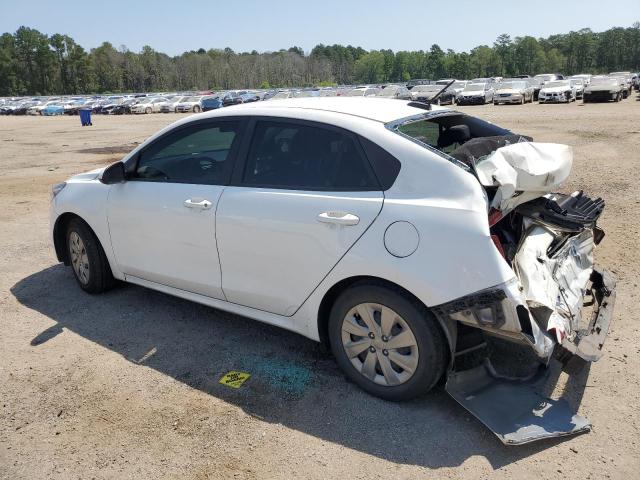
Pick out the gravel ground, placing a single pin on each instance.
(125, 385)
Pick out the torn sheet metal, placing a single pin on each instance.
(588, 342)
(524, 171)
(514, 409)
(554, 288)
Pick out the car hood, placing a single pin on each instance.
(472, 94)
(88, 176)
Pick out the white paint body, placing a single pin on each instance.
(263, 253)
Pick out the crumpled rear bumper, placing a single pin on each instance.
(517, 409)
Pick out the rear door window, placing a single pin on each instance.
(300, 156)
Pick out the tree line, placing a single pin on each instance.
(33, 63)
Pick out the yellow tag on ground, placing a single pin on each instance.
(234, 379)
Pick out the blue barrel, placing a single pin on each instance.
(85, 116)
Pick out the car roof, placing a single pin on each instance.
(376, 109)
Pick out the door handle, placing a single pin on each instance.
(339, 218)
(197, 203)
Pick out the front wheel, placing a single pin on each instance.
(196, 109)
(88, 260)
(386, 342)
(147, 110)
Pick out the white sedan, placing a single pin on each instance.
(363, 224)
(148, 105)
(558, 91)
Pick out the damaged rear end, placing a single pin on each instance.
(558, 305)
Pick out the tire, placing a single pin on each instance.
(147, 110)
(423, 350)
(96, 276)
(196, 109)
(523, 101)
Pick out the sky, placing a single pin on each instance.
(173, 27)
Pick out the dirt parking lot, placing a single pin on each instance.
(125, 385)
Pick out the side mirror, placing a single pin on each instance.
(113, 174)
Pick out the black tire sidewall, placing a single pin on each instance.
(432, 346)
(99, 270)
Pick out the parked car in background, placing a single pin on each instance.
(514, 91)
(72, 108)
(124, 107)
(536, 83)
(148, 105)
(426, 93)
(212, 102)
(399, 92)
(578, 84)
(190, 104)
(170, 105)
(457, 87)
(231, 98)
(361, 92)
(270, 94)
(52, 109)
(476, 94)
(557, 91)
(603, 89)
(37, 107)
(250, 97)
(625, 79)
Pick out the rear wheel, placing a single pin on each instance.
(88, 260)
(196, 109)
(387, 343)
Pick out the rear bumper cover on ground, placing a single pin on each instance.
(517, 409)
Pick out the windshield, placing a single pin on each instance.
(474, 87)
(559, 83)
(355, 93)
(577, 81)
(513, 85)
(459, 85)
(192, 99)
(604, 81)
(545, 78)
